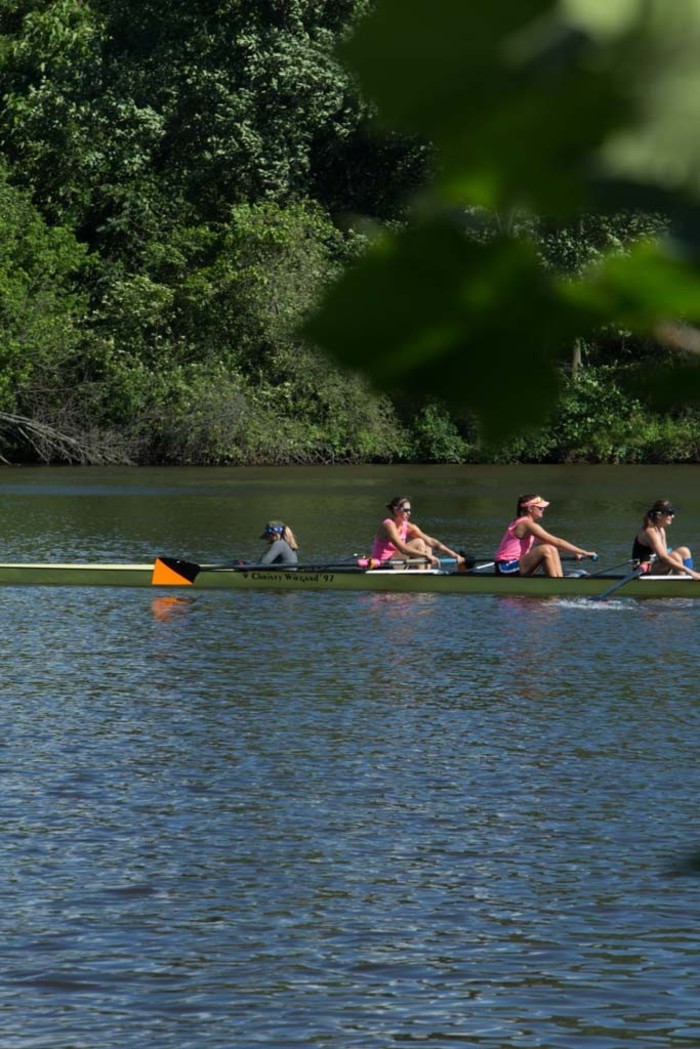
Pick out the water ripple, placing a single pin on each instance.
(296, 820)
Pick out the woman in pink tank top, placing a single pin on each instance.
(526, 546)
(399, 539)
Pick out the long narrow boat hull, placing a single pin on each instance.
(73, 574)
(417, 582)
(398, 581)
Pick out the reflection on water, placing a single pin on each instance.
(169, 607)
(349, 820)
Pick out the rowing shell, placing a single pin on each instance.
(170, 572)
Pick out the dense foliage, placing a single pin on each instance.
(181, 182)
(557, 108)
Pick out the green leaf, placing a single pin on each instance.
(639, 289)
(661, 65)
(421, 70)
(513, 103)
(429, 312)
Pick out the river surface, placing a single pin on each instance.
(344, 821)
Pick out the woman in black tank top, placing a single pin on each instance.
(650, 543)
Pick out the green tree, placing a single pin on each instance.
(539, 106)
(182, 144)
(124, 115)
(40, 313)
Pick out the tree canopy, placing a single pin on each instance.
(480, 191)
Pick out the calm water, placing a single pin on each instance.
(343, 820)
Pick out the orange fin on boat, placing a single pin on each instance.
(169, 571)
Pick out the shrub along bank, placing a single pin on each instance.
(178, 186)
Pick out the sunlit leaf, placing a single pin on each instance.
(601, 16)
(480, 326)
(663, 74)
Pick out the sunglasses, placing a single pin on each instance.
(406, 510)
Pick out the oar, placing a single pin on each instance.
(473, 564)
(619, 583)
(476, 564)
(611, 568)
(490, 564)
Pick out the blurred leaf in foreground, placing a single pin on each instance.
(425, 310)
(514, 98)
(661, 147)
(646, 291)
(669, 386)
(550, 105)
(639, 288)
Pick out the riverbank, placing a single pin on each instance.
(207, 423)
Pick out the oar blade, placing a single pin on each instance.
(171, 571)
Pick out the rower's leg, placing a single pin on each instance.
(681, 555)
(546, 556)
(420, 549)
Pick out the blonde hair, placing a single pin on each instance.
(288, 536)
(283, 531)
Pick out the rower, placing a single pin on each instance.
(282, 549)
(526, 546)
(650, 543)
(400, 539)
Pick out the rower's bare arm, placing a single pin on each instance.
(577, 551)
(435, 544)
(561, 544)
(546, 537)
(451, 553)
(657, 544)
